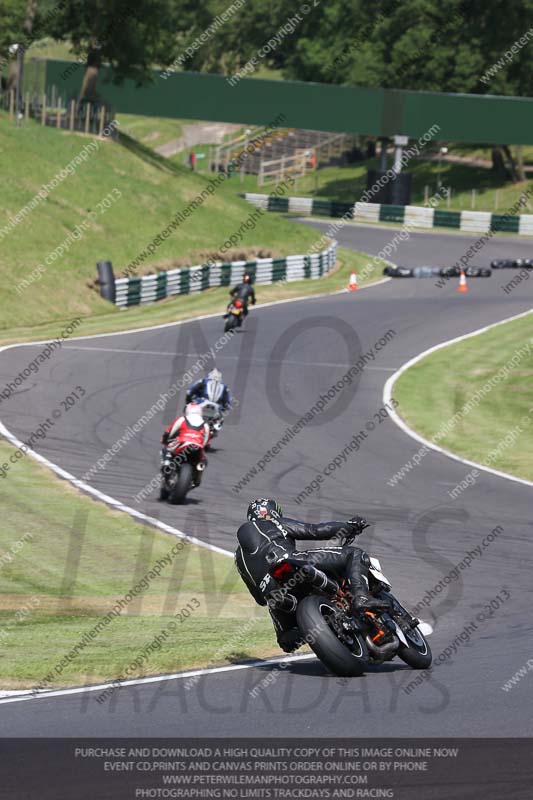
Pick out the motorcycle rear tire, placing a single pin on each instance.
(231, 323)
(182, 486)
(311, 617)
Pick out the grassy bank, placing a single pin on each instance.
(75, 559)
(439, 386)
(208, 302)
(146, 193)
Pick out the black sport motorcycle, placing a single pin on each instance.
(346, 642)
(181, 471)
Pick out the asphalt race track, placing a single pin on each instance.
(285, 358)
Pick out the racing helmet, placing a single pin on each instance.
(246, 278)
(264, 508)
(215, 375)
(193, 415)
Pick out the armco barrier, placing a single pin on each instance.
(189, 280)
(413, 216)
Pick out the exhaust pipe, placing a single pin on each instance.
(319, 579)
(384, 651)
(201, 466)
(282, 601)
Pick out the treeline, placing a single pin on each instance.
(438, 45)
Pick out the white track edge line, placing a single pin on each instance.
(110, 501)
(389, 385)
(27, 694)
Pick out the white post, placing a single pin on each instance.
(399, 144)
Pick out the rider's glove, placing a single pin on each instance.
(164, 438)
(356, 526)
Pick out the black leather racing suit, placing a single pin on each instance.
(245, 292)
(263, 542)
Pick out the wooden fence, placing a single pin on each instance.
(51, 108)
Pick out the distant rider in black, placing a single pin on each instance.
(244, 291)
(268, 535)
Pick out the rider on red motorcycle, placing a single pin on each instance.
(243, 292)
(189, 429)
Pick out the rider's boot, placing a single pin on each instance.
(289, 641)
(364, 602)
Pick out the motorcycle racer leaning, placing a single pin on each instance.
(188, 429)
(211, 388)
(268, 535)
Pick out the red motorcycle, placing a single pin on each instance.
(234, 315)
(181, 471)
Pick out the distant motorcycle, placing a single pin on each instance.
(345, 642)
(181, 470)
(234, 315)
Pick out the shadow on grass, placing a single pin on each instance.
(148, 155)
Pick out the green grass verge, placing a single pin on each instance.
(436, 388)
(210, 301)
(46, 605)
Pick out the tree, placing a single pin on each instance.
(129, 37)
(13, 16)
(434, 45)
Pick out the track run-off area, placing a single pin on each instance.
(287, 357)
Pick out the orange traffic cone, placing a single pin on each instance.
(463, 286)
(352, 286)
